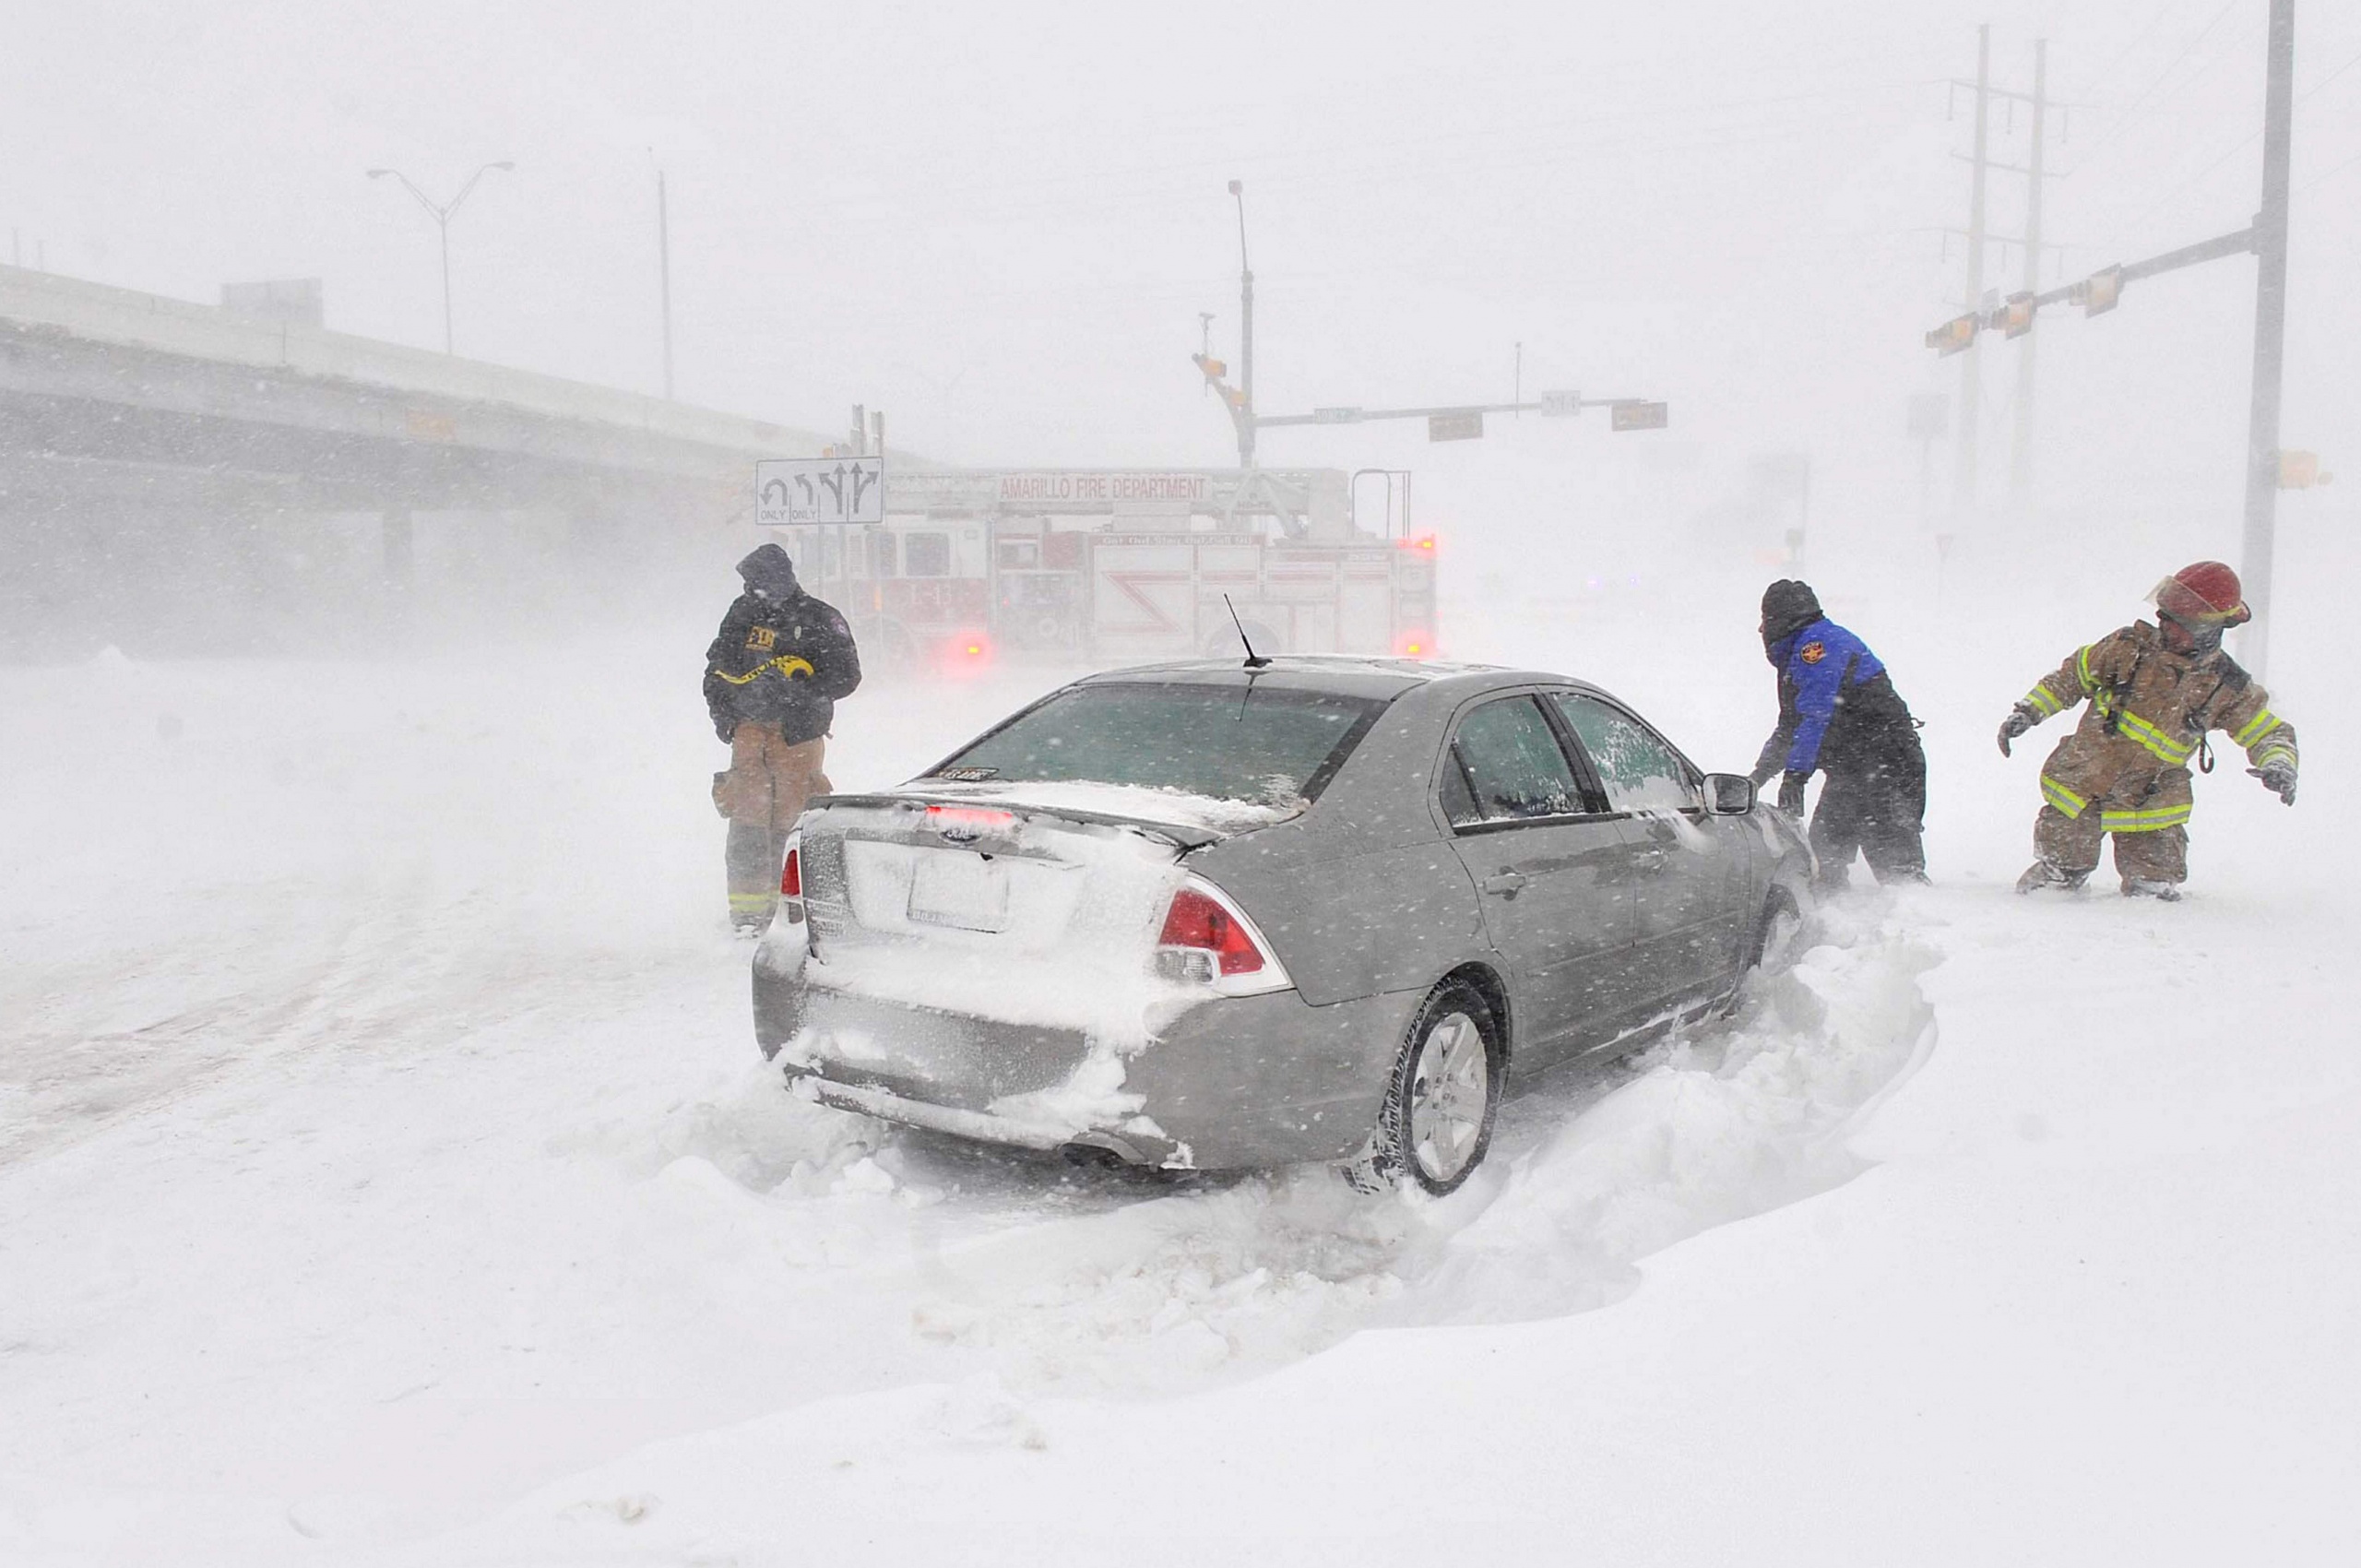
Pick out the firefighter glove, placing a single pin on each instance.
(2278, 776)
(2021, 718)
(1791, 793)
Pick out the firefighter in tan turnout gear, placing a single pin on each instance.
(2154, 691)
(773, 677)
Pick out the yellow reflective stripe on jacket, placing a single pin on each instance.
(2276, 753)
(2164, 746)
(2261, 724)
(2083, 670)
(753, 901)
(2042, 701)
(786, 664)
(2148, 821)
(2065, 800)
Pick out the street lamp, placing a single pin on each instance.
(1245, 334)
(441, 212)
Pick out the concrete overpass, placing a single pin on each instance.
(130, 422)
(147, 397)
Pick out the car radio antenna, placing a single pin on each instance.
(1253, 660)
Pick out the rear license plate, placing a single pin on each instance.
(948, 887)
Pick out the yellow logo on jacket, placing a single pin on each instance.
(1812, 653)
(762, 639)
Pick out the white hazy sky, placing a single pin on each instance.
(999, 222)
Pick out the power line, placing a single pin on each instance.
(2307, 93)
(2331, 175)
(2160, 203)
(2120, 56)
(2124, 122)
(2243, 143)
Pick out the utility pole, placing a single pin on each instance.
(2265, 238)
(2021, 447)
(1971, 380)
(664, 276)
(2270, 332)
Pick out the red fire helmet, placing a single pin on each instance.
(2206, 594)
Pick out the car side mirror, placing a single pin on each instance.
(1728, 794)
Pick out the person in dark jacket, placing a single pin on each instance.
(773, 677)
(1840, 715)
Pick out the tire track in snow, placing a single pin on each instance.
(1103, 1283)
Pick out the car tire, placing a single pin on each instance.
(1433, 1130)
(1772, 947)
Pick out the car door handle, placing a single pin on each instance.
(1504, 883)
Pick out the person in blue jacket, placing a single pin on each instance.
(1840, 715)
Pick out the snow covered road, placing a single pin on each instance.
(385, 1171)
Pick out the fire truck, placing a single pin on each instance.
(1110, 566)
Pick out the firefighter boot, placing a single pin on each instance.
(2044, 873)
(2150, 888)
(753, 858)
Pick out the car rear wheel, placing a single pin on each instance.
(1437, 1120)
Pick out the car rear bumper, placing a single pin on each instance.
(814, 1084)
(1230, 1083)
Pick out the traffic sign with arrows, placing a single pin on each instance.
(794, 491)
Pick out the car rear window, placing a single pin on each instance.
(1228, 742)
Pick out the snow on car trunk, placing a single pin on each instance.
(992, 950)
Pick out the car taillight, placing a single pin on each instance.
(1197, 923)
(1207, 942)
(790, 877)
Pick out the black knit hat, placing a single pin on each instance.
(1789, 606)
(770, 569)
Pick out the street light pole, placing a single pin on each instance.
(441, 212)
(1245, 334)
(664, 276)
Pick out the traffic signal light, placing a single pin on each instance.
(2102, 291)
(2016, 315)
(1214, 371)
(1953, 336)
(2299, 469)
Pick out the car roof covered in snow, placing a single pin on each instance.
(1354, 675)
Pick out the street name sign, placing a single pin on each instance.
(1559, 405)
(797, 492)
(1641, 416)
(1464, 426)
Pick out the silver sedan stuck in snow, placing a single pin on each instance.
(1198, 916)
